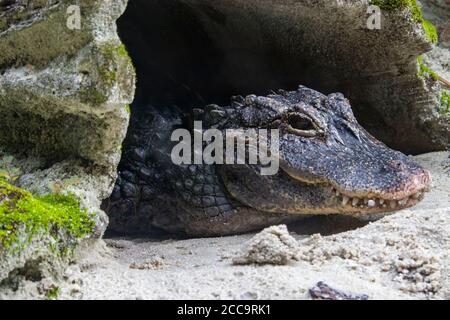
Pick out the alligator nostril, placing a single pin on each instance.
(397, 164)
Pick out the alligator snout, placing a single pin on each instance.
(415, 186)
(403, 188)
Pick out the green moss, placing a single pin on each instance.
(416, 11)
(424, 71)
(112, 55)
(122, 52)
(3, 24)
(39, 124)
(107, 67)
(392, 5)
(92, 95)
(111, 59)
(53, 293)
(430, 31)
(128, 108)
(444, 107)
(20, 212)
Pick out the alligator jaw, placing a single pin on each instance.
(346, 201)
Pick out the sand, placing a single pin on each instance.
(402, 256)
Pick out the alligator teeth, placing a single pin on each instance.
(345, 200)
(372, 203)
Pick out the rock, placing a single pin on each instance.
(63, 108)
(66, 98)
(273, 245)
(322, 291)
(38, 233)
(152, 264)
(418, 271)
(63, 104)
(438, 12)
(437, 62)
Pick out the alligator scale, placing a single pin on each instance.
(328, 165)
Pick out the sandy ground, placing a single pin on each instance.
(402, 256)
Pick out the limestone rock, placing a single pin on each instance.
(64, 96)
(273, 245)
(438, 12)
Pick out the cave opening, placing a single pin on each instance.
(181, 62)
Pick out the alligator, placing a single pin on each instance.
(329, 164)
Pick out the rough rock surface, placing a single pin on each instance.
(273, 245)
(64, 96)
(438, 60)
(63, 100)
(322, 291)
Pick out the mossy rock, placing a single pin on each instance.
(416, 13)
(50, 213)
(39, 227)
(71, 101)
(46, 38)
(425, 71)
(444, 106)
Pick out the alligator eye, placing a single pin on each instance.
(298, 122)
(301, 125)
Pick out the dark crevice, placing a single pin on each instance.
(326, 225)
(178, 63)
(31, 271)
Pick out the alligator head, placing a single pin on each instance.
(329, 163)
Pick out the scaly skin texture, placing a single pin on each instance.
(329, 165)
